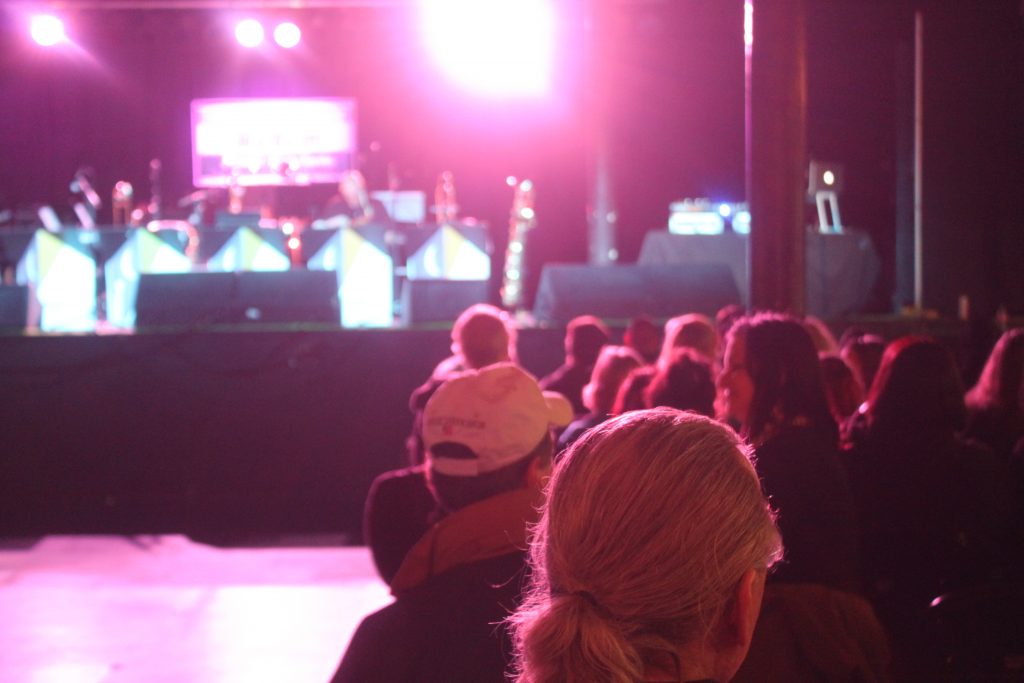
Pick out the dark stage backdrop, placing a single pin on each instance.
(674, 71)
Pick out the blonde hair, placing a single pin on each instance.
(652, 519)
(694, 331)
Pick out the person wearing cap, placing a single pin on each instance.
(489, 444)
(399, 506)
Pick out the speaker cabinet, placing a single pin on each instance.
(570, 290)
(202, 299)
(426, 301)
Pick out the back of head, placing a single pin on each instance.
(483, 335)
(632, 392)
(644, 337)
(694, 331)
(652, 519)
(917, 389)
(584, 338)
(612, 367)
(1001, 385)
(482, 430)
(824, 340)
(863, 353)
(842, 387)
(784, 368)
(683, 383)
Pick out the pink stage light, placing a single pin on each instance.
(47, 30)
(287, 35)
(495, 47)
(249, 33)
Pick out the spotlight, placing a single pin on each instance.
(249, 33)
(495, 47)
(287, 35)
(47, 30)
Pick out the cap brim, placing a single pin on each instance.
(560, 411)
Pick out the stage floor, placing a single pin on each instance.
(155, 609)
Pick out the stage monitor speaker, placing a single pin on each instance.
(202, 299)
(570, 290)
(13, 308)
(296, 296)
(426, 301)
(184, 299)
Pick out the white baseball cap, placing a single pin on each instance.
(498, 412)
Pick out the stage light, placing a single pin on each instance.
(47, 30)
(724, 210)
(495, 47)
(829, 177)
(287, 35)
(249, 33)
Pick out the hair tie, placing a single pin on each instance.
(592, 601)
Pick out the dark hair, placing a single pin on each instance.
(454, 493)
(1001, 385)
(684, 383)
(863, 353)
(918, 386)
(784, 368)
(631, 392)
(584, 338)
(842, 387)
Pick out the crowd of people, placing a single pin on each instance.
(740, 498)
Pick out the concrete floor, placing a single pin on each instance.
(155, 609)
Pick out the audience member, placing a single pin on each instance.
(815, 626)
(842, 388)
(650, 559)
(489, 449)
(644, 337)
(631, 394)
(585, 336)
(693, 331)
(771, 385)
(399, 507)
(863, 353)
(824, 340)
(726, 317)
(931, 505)
(684, 383)
(995, 405)
(613, 365)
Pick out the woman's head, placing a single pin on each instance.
(613, 365)
(655, 524)
(917, 386)
(1001, 384)
(771, 376)
(692, 331)
(684, 383)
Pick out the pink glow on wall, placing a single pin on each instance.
(493, 47)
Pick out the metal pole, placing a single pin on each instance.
(918, 159)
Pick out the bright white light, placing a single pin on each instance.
(748, 26)
(724, 210)
(829, 177)
(287, 34)
(47, 30)
(495, 47)
(249, 33)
